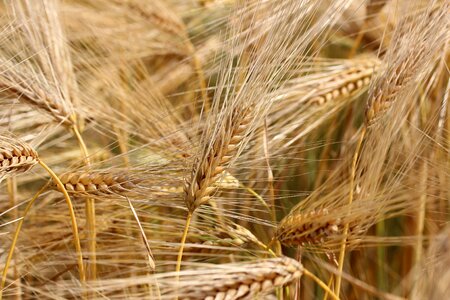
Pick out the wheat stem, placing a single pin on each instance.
(122, 141)
(421, 214)
(199, 72)
(330, 282)
(358, 40)
(381, 258)
(183, 241)
(90, 213)
(182, 244)
(321, 284)
(12, 193)
(269, 175)
(350, 200)
(257, 196)
(72, 219)
(82, 145)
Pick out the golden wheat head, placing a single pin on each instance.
(243, 281)
(15, 157)
(97, 183)
(298, 228)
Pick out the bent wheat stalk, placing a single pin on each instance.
(33, 154)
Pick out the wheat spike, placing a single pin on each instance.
(15, 157)
(97, 183)
(407, 60)
(347, 83)
(208, 170)
(15, 85)
(245, 281)
(307, 228)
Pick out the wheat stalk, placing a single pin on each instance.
(16, 147)
(56, 91)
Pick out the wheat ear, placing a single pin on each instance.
(245, 281)
(298, 229)
(14, 83)
(15, 157)
(91, 183)
(207, 171)
(347, 83)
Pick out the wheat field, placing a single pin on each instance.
(225, 149)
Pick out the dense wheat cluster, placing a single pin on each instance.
(225, 149)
